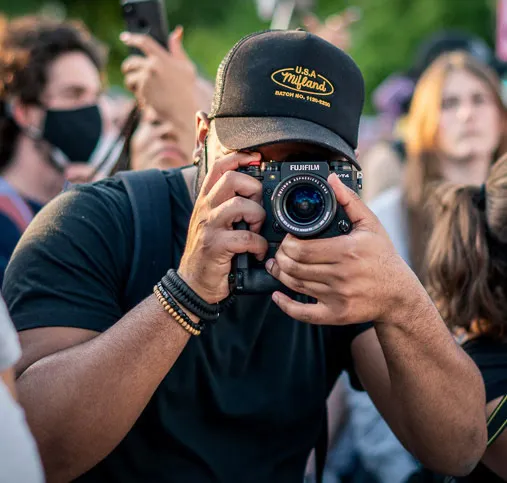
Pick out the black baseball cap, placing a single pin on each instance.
(288, 86)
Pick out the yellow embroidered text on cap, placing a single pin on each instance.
(303, 80)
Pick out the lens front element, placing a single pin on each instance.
(304, 205)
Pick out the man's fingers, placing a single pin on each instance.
(309, 313)
(233, 184)
(145, 43)
(311, 22)
(133, 63)
(303, 271)
(243, 241)
(238, 209)
(312, 289)
(317, 251)
(356, 210)
(133, 81)
(231, 162)
(176, 44)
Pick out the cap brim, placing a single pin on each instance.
(240, 133)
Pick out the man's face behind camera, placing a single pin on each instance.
(281, 152)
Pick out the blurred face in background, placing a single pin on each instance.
(155, 144)
(456, 126)
(470, 119)
(73, 82)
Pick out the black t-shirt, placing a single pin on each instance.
(490, 356)
(245, 400)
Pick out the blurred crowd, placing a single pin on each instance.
(432, 157)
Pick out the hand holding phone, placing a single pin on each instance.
(165, 81)
(146, 17)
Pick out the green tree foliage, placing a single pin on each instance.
(387, 37)
(384, 40)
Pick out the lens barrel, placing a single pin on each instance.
(304, 205)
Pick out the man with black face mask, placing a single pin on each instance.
(51, 125)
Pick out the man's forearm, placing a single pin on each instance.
(81, 402)
(437, 393)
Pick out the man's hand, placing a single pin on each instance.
(166, 80)
(227, 197)
(355, 278)
(335, 29)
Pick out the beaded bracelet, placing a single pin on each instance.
(167, 307)
(174, 310)
(171, 300)
(183, 299)
(184, 294)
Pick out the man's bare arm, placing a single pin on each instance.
(82, 400)
(425, 386)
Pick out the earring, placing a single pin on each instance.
(197, 160)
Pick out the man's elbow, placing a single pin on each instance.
(59, 466)
(461, 455)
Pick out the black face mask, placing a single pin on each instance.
(74, 132)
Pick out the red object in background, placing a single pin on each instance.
(501, 30)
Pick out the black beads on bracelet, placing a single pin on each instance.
(180, 290)
(179, 311)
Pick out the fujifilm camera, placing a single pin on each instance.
(298, 200)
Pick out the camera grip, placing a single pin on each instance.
(245, 278)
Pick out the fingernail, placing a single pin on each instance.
(276, 297)
(124, 36)
(269, 265)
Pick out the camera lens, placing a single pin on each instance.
(304, 204)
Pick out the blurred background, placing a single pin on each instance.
(383, 39)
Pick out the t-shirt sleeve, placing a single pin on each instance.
(71, 265)
(10, 351)
(339, 351)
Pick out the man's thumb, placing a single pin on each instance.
(355, 209)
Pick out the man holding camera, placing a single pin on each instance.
(158, 392)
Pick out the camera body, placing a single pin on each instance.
(298, 200)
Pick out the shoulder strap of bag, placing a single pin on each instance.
(14, 206)
(321, 450)
(149, 196)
